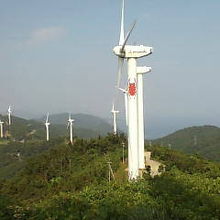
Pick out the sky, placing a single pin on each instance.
(56, 56)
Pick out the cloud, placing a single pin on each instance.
(42, 35)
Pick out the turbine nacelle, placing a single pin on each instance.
(114, 112)
(47, 124)
(143, 69)
(130, 51)
(71, 121)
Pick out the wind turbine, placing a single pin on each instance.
(140, 90)
(47, 124)
(131, 53)
(114, 113)
(70, 125)
(2, 131)
(9, 115)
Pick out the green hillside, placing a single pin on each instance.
(202, 140)
(83, 121)
(27, 138)
(13, 154)
(71, 182)
(31, 129)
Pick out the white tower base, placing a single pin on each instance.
(2, 132)
(133, 167)
(48, 138)
(71, 133)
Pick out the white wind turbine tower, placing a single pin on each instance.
(1, 126)
(70, 125)
(47, 124)
(9, 115)
(131, 53)
(140, 91)
(114, 113)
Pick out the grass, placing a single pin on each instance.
(4, 142)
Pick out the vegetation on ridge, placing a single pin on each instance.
(70, 182)
(201, 140)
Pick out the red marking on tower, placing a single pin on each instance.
(132, 89)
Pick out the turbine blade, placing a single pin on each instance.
(126, 108)
(113, 107)
(122, 32)
(9, 109)
(47, 117)
(127, 36)
(120, 69)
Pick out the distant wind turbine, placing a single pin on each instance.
(114, 113)
(2, 131)
(126, 104)
(9, 115)
(47, 124)
(70, 126)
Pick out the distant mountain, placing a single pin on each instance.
(35, 129)
(202, 140)
(83, 121)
